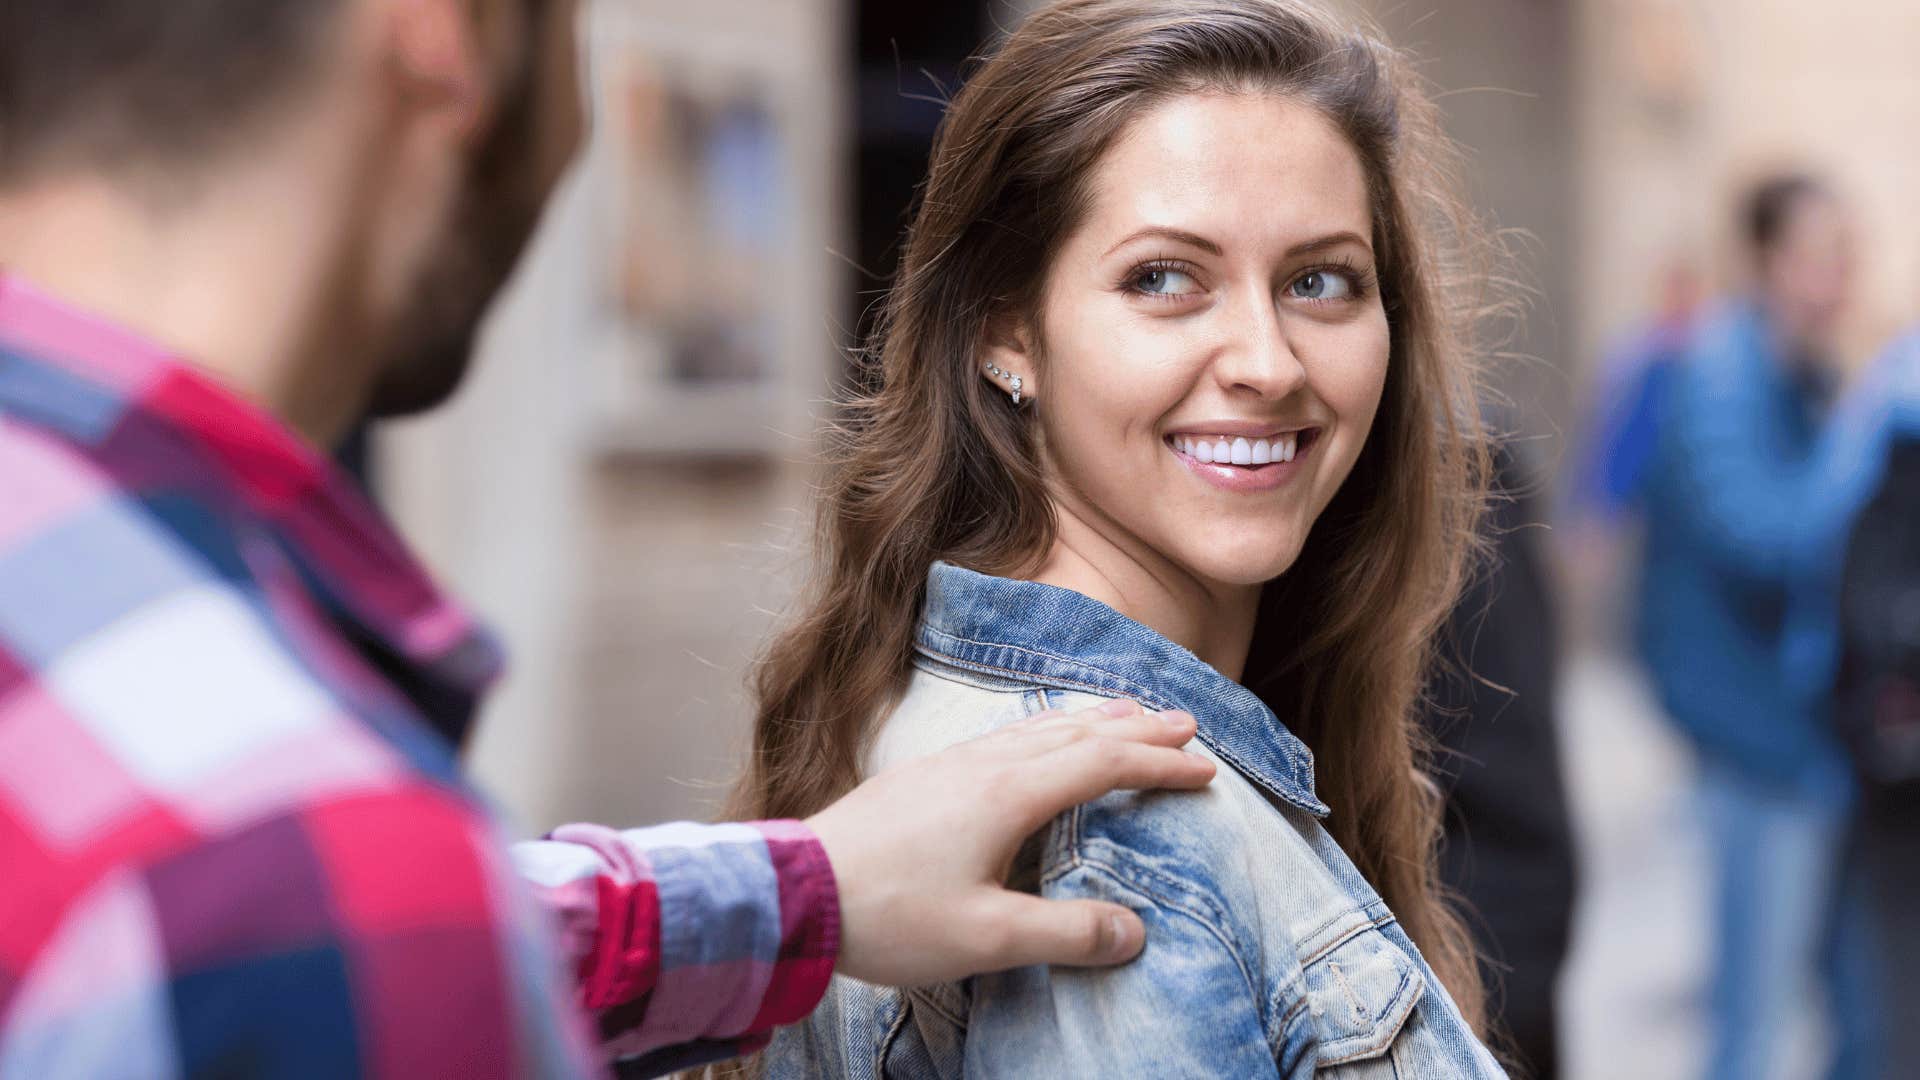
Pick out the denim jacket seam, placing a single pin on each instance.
(1368, 923)
(1140, 693)
(885, 1044)
(1133, 689)
(932, 664)
(1299, 1006)
(1145, 697)
(1205, 921)
(1191, 903)
(1172, 886)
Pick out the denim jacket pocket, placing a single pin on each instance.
(1360, 992)
(926, 1039)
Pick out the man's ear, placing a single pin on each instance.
(1007, 357)
(438, 57)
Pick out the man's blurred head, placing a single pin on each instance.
(435, 130)
(1801, 241)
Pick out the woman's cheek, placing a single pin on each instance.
(1349, 376)
(1356, 371)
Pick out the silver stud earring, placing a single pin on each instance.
(1014, 382)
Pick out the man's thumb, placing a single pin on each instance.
(1077, 933)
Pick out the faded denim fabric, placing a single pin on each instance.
(1268, 955)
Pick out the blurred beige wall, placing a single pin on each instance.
(1501, 73)
(1680, 101)
(632, 589)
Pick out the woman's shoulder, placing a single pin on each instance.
(1241, 883)
(1230, 854)
(941, 706)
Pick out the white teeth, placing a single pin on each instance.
(1217, 450)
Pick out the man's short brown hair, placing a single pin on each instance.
(110, 84)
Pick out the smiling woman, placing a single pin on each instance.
(1170, 401)
(1220, 290)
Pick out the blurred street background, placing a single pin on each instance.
(624, 488)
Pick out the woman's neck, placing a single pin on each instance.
(1215, 622)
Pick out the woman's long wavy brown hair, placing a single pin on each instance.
(932, 463)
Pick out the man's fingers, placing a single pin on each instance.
(1085, 770)
(1080, 933)
(1106, 721)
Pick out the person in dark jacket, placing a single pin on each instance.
(1509, 835)
(1853, 652)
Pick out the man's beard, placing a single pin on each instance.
(428, 353)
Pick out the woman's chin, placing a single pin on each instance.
(1249, 569)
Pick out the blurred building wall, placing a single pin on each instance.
(633, 581)
(1681, 101)
(1501, 72)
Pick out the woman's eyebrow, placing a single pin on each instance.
(1163, 232)
(1333, 240)
(1309, 247)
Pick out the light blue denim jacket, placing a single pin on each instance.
(1268, 955)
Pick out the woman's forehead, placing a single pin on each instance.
(1253, 169)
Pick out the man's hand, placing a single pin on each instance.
(922, 850)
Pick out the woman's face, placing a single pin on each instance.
(1212, 341)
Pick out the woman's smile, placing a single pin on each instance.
(1243, 461)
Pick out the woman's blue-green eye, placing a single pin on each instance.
(1322, 285)
(1161, 281)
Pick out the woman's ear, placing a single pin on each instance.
(1007, 359)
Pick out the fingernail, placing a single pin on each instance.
(1120, 707)
(1177, 719)
(1120, 937)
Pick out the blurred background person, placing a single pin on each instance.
(1605, 485)
(1492, 707)
(1853, 650)
(1726, 503)
(1609, 477)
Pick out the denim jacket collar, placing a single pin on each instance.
(1057, 638)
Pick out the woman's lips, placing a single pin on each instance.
(1284, 453)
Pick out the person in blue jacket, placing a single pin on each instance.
(1729, 501)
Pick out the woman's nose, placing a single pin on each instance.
(1261, 359)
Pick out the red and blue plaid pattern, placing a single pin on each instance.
(677, 946)
(232, 835)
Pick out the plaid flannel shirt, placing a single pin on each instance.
(232, 835)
